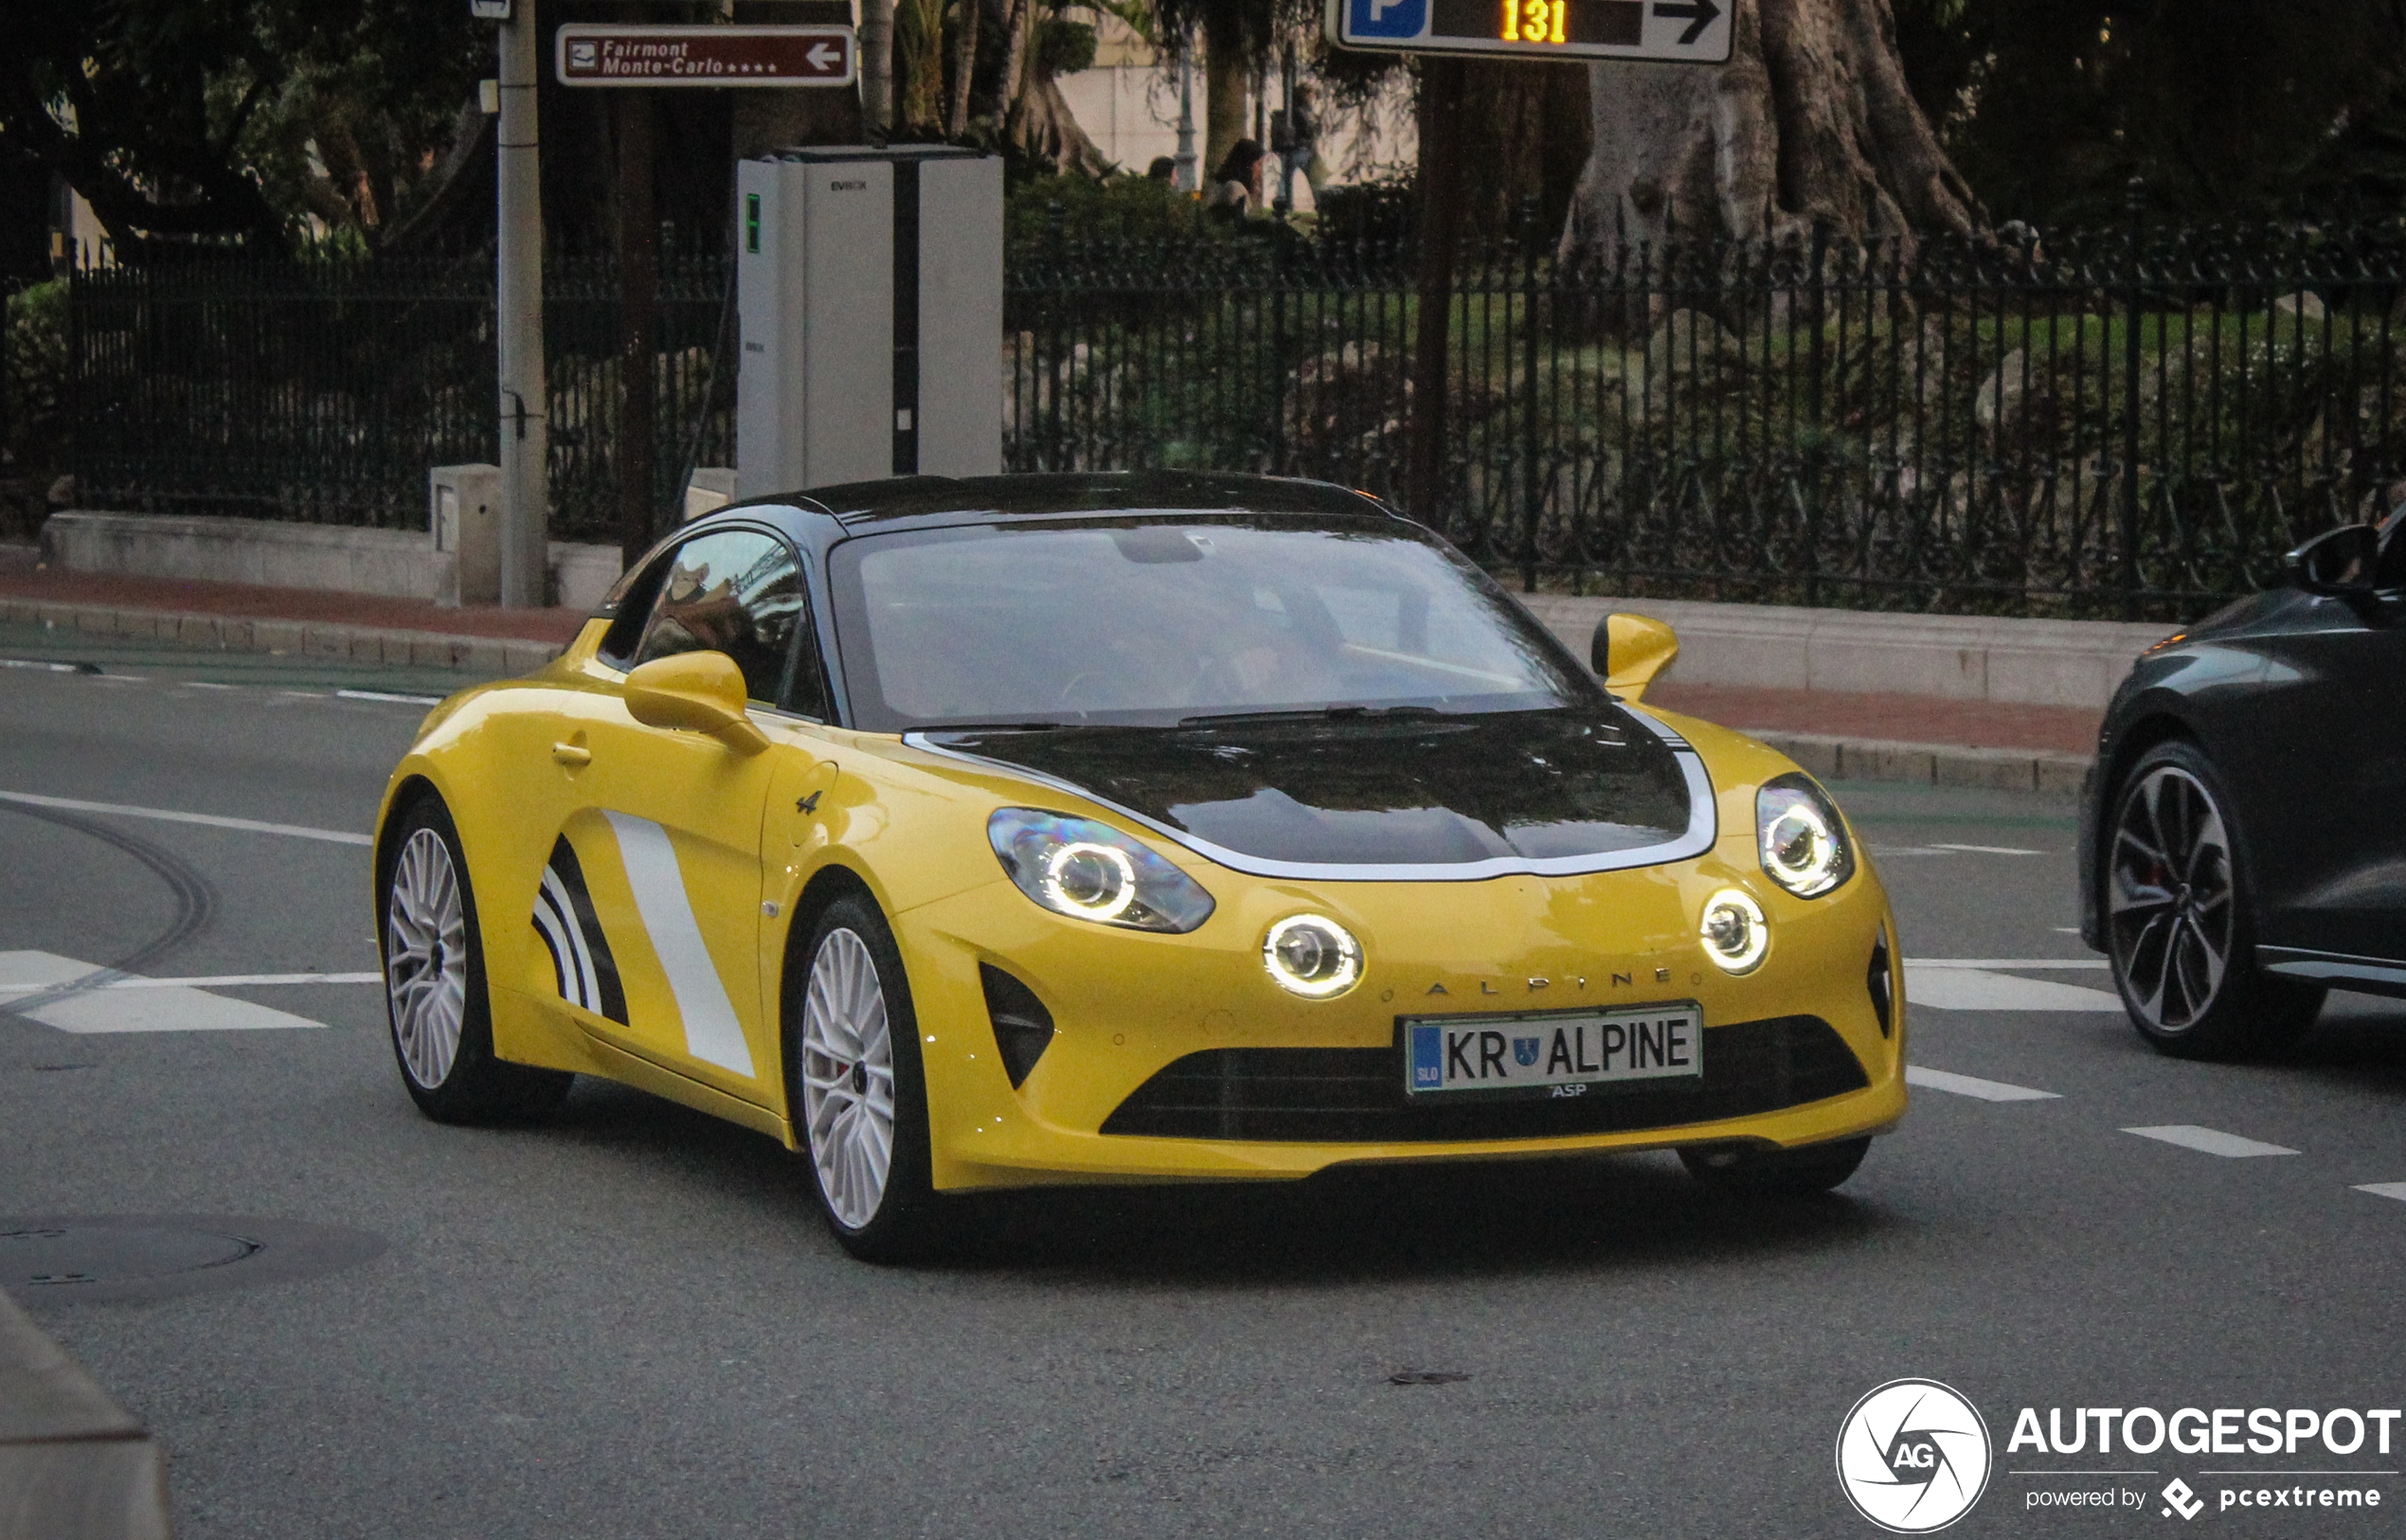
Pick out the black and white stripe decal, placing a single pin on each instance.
(581, 960)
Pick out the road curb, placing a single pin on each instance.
(2048, 771)
(379, 645)
(72, 1463)
(1931, 763)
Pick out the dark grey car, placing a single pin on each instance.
(2243, 837)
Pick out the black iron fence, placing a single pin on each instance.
(2111, 423)
(322, 389)
(2122, 422)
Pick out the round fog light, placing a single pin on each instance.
(1313, 957)
(1736, 933)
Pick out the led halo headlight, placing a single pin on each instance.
(1091, 881)
(1311, 956)
(1089, 870)
(1801, 838)
(1734, 931)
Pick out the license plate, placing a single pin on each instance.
(1560, 1053)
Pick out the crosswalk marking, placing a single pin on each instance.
(1953, 987)
(209, 982)
(2210, 1141)
(2384, 1189)
(1972, 1085)
(117, 1004)
(2049, 965)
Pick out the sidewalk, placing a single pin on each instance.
(304, 621)
(1837, 734)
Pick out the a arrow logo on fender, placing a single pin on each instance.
(1698, 14)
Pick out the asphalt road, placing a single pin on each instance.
(629, 1322)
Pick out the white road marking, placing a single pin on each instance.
(2384, 1189)
(38, 668)
(380, 695)
(210, 981)
(160, 1005)
(1978, 989)
(251, 825)
(2210, 1141)
(1909, 850)
(2046, 965)
(712, 1034)
(205, 684)
(1985, 850)
(2067, 930)
(1986, 1090)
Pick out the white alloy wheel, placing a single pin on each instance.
(848, 1079)
(427, 957)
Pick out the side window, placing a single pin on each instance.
(2389, 572)
(737, 592)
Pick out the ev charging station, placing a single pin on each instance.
(868, 292)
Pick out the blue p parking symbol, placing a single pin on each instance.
(1385, 18)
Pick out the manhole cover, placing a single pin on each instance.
(75, 1256)
(63, 1258)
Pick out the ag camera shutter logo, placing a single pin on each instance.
(1913, 1457)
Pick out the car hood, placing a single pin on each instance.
(1560, 790)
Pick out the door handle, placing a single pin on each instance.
(574, 756)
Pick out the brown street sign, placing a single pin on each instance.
(713, 55)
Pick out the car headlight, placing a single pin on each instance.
(1735, 933)
(1089, 870)
(1311, 956)
(1801, 836)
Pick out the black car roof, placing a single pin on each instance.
(820, 517)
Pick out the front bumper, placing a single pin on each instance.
(1129, 1006)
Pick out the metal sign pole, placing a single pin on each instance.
(525, 483)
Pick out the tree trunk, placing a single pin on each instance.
(1225, 73)
(964, 64)
(1014, 61)
(877, 67)
(1810, 119)
(1048, 133)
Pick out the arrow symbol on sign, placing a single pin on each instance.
(1698, 14)
(826, 55)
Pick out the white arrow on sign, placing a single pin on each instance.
(825, 56)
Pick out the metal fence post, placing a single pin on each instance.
(2135, 197)
(1531, 338)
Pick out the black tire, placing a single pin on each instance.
(2176, 906)
(1776, 1173)
(830, 1073)
(435, 983)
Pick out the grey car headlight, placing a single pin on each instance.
(1089, 870)
(1801, 838)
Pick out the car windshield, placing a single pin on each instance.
(1180, 618)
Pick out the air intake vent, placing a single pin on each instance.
(1356, 1095)
(1881, 979)
(1023, 1028)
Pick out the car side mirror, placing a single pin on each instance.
(1629, 650)
(694, 692)
(2337, 563)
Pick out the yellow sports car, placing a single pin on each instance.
(1130, 828)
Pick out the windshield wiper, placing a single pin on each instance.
(1316, 713)
(995, 726)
